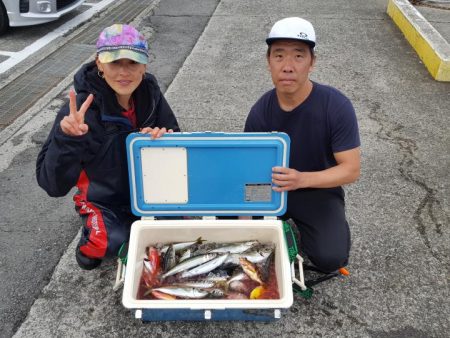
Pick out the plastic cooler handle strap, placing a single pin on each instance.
(294, 257)
(123, 253)
(291, 241)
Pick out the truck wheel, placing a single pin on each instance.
(4, 22)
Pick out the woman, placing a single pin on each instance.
(86, 146)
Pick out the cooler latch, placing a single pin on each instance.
(138, 314)
(208, 314)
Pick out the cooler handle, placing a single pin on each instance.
(300, 281)
(120, 275)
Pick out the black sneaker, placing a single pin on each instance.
(85, 262)
(316, 276)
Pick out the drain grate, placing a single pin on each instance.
(18, 96)
(22, 93)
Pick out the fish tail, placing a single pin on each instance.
(149, 291)
(200, 240)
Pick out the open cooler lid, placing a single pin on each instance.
(200, 174)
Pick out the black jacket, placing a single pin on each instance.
(101, 153)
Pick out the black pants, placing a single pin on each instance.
(105, 229)
(319, 215)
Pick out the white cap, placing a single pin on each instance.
(294, 29)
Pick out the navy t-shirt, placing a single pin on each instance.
(325, 123)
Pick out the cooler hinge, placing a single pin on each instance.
(270, 218)
(209, 218)
(148, 218)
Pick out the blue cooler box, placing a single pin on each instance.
(207, 175)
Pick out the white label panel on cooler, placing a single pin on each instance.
(258, 192)
(169, 165)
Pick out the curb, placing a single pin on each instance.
(428, 43)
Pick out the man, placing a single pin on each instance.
(325, 152)
(86, 146)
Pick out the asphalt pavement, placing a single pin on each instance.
(398, 211)
(438, 15)
(36, 231)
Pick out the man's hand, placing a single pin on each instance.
(286, 179)
(346, 171)
(73, 124)
(155, 132)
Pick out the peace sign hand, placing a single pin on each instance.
(73, 124)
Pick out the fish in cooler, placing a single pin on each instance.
(197, 270)
(205, 267)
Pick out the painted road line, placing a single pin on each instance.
(45, 40)
(5, 53)
(428, 43)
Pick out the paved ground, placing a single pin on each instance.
(398, 211)
(426, 26)
(439, 18)
(36, 232)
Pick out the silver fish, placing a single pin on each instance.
(182, 245)
(241, 275)
(189, 263)
(219, 277)
(216, 293)
(185, 255)
(183, 292)
(254, 256)
(169, 259)
(238, 247)
(264, 267)
(206, 267)
(200, 249)
(201, 284)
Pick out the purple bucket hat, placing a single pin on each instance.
(122, 42)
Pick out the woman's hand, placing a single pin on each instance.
(155, 132)
(73, 124)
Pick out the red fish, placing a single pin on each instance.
(153, 257)
(152, 266)
(162, 295)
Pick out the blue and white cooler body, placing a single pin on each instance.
(208, 175)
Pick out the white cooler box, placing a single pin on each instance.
(208, 175)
